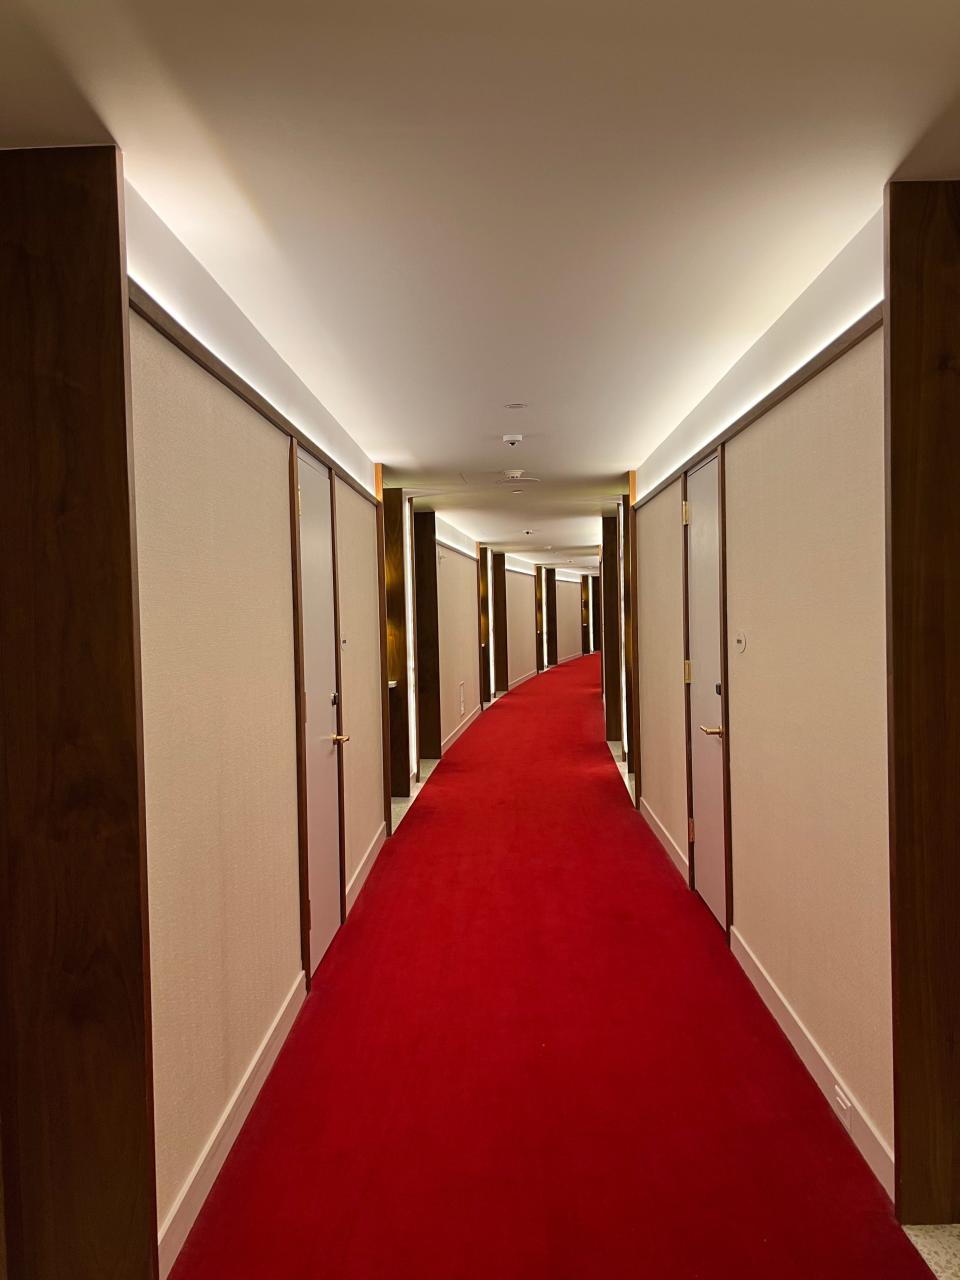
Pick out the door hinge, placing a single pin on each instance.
(687, 671)
(690, 831)
(685, 511)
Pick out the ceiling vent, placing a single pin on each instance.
(512, 441)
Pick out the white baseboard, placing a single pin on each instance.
(176, 1226)
(521, 679)
(868, 1142)
(462, 727)
(358, 879)
(677, 856)
(570, 657)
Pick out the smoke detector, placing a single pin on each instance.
(512, 441)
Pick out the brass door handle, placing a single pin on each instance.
(712, 733)
(339, 737)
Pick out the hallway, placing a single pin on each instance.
(529, 1053)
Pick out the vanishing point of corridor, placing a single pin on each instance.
(529, 1054)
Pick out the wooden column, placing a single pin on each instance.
(396, 601)
(538, 593)
(428, 634)
(633, 705)
(597, 619)
(628, 632)
(610, 571)
(75, 1070)
(922, 337)
(485, 693)
(550, 603)
(584, 614)
(500, 677)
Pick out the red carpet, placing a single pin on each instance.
(530, 1055)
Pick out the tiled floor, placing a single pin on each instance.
(940, 1249)
(399, 808)
(616, 750)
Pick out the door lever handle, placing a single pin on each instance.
(339, 737)
(712, 733)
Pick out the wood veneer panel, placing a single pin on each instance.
(539, 614)
(597, 619)
(922, 336)
(500, 671)
(75, 1080)
(484, 587)
(550, 608)
(628, 671)
(634, 703)
(428, 634)
(396, 607)
(584, 614)
(610, 570)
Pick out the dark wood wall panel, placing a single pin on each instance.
(633, 704)
(75, 1075)
(428, 634)
(500, 675)
(922, 336)
(584, 614)
(610, 572)
(597, 619)
(395, 588)
(538, 605)
(627, 631)
(483, 569)
(550, 609)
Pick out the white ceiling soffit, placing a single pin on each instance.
(173, 277)
(846, 290)
(434, 209)
(450, 536)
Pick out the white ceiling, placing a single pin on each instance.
(434, 209)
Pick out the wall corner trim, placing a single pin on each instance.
(178, 1222)
(359, 877)
(673, 851)
(462, 727)
(875, 1151)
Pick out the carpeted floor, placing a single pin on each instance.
(529, 1055)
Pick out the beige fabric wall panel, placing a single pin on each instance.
(213, 543)
(569, 644)
(458, 609)
(663, 743)
(805, 563)
(521, 626)
(359, 600)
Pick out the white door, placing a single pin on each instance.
(706, 704)
(320, 703)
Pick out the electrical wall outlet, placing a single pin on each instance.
(843, 1107)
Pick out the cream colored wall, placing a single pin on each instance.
(521, 626)
(213, 544)
(458, 613)
(663, 740)
(360, 676)
(805, 564)
(569, 644)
